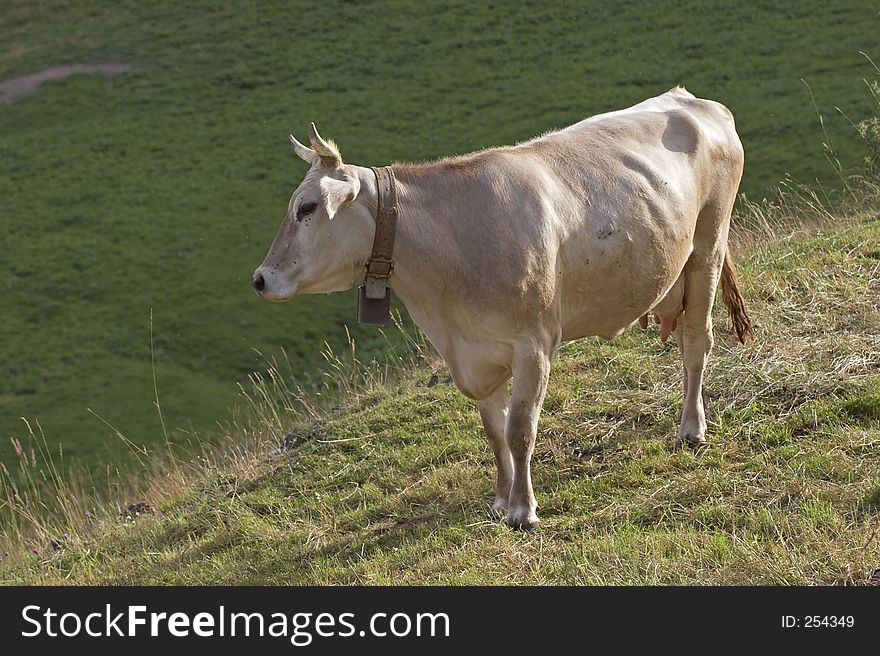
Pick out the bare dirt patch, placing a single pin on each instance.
(25, 85)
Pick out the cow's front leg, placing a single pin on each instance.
(531, 369)
(493, 412)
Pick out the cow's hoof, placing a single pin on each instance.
(523, 519)
(696, 442)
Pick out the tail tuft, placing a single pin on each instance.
(734, 301)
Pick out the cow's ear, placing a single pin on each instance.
(336, 193)
(326, 150)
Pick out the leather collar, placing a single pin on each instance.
(381, 265)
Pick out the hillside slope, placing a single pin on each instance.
(160, 189)
(394, 485)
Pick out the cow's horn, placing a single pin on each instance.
(304, 152)
(321, 146)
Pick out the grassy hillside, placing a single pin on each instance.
(393, 485)
(161, 188)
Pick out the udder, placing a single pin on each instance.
(667, 311)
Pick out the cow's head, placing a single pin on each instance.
(325, 237)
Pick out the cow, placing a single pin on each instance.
(503, 254)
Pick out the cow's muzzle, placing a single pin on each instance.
(270, 288)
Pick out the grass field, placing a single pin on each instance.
(393, 485)
(162, 188)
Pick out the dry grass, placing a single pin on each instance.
(45, 504)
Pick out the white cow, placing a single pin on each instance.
(503, 254)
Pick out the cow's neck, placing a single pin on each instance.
(421, 243)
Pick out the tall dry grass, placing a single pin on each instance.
(45, 504)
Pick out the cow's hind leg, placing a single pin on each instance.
(695, 339)
(531, 370)
(493, 412)
(678, 335)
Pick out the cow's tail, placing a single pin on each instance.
(733, 299)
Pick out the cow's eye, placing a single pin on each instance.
(304, 210)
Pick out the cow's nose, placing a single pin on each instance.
(259, 283)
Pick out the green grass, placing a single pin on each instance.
(393, 486)
(163, 187)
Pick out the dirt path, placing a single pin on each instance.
(25, 85)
